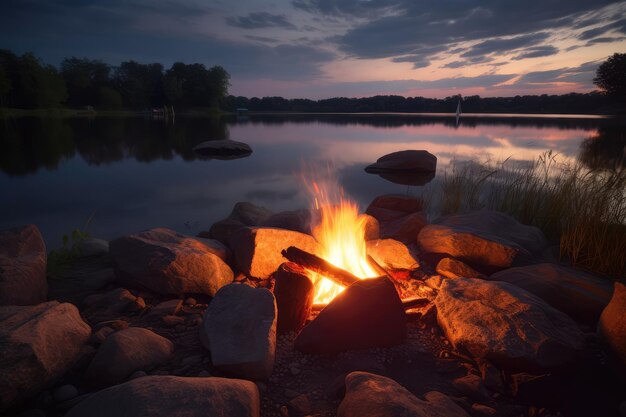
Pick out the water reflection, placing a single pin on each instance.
(133, 173)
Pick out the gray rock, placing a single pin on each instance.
(506, 325)
(249, 214)
(167, 262)
(223, 231)
(370, 395)
(580, 295)
(38, 344)
(111, 304)
(92, 247)
(127, 351)
(239, 329)
(397, 205)
(166, 396)
(483, 237)
(22, 266)
(257, 250)
(297, 220)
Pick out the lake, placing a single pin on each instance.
(114, 176)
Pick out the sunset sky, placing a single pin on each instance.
(329, 48)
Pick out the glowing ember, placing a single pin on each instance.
(341, 233)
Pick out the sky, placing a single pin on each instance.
(337, 48)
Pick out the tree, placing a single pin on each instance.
(84, 79)
(141, 85)
(611, 77)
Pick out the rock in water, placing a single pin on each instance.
(612, 326)
(578, 294)
(257, 250)
(38, 344)
(22, 266)
(249, 214)
(371, 395)
(127, 351)
(294, 292)
(167, 262)
(239, 329)
(402, 161)
(367, 314)
(167, 396)
(482, 237)
(506, 325)
(223, 149)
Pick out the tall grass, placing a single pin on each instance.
(583, 210)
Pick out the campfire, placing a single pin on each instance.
(341, 234)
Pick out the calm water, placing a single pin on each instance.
(127, 174)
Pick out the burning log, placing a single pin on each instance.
(377, 267)
(294, 296)
(316, 264)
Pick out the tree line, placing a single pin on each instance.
(28, 83)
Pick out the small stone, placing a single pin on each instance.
(190, 301)
(289, 393)
(172, 321)
(284, 411)
(167, 308)
(484, 410)
(204, 374)
(64, 393)
(301, 404)
(102, 334)
(294, 371)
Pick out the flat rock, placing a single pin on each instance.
(22, 266)
(167, 262)
(506, 325)
(239, 329)
(38, 345)
(391, 253)
(367, 314)
(482, 237)
(223, 149)
(402, 161)
(257, 250)
(166, 396)
(453, 268)
(612, 327)
(580, 295)
(127, 351)
(371, 395)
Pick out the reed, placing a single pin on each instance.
(583, 210)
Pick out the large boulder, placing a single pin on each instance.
(126, 351)
(249, 214)
(167, 262)
(38, 344)
(506, 325)
(391, 253)
(22, 266)
(367, 314)
(239, 329)
(296, 220)
(483, 237)
(580, 295)
(400, 217)
(403, 161)
(166, 396)
(371, 395)
(398, 203)
(612, 326)
(257, 250)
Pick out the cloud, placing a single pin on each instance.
(505, 25)
(261, 20)
(347, 8)
(618, 26)
(536, 52)
(503, 45)
(584, 73)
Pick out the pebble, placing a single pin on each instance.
(64, 393)
(294, 371)
(289, 393)
(190, 301)
(483, 409)
(284, 411)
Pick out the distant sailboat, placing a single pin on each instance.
(458, 112)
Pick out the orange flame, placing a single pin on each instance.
(341, 233)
